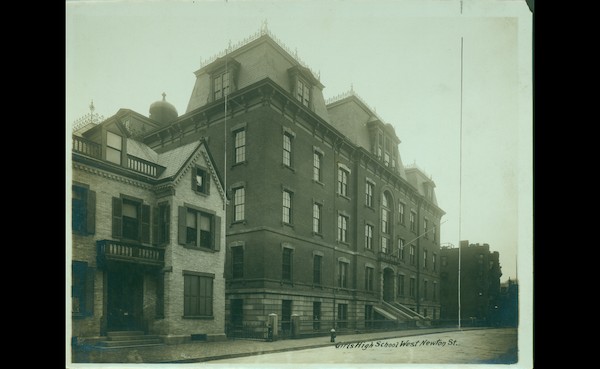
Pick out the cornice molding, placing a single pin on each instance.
(112, 176)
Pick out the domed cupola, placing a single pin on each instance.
(163, 111)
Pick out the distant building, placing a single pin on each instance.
(148, 237)
(508, 304)
(480, 274)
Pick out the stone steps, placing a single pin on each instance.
(126, 339)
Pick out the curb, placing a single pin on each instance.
(308, 347)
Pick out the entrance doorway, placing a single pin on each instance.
(125, 299)
(388, 285)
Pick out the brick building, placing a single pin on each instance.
(147, 241)
(479, 283)
(324, 221)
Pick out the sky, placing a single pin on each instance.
(403, 58)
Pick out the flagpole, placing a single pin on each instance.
(460, 179)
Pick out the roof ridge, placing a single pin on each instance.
(264, 31)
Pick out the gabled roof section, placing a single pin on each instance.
(127, 120)
(179, 161)
(175, 159)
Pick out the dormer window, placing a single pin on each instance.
(223, 77)
(303, 92)
(221, 85)
(302, 83)
(114, 147)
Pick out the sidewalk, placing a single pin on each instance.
(206, 351)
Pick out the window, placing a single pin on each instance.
(401, 249)
(369, 194)
(286, 265)
(317, 160)
(287, 149)
(317, 210)
(131, 223)
(400, 286)
(434, 233)
(385, 218)
(237, 261)
(342, 316)
(83, 208)
(434, 262)
(412, 287)
(434, 291)
(425, 287)
(114, 147)
(386, 157)
(342, 228)
(368, 237)
(317, 260)
(379, 148)
(287, 207)
(316, 315)
(198, 228)
(413, 217)
(425, 259)
(82, 289)
(385, 245)
(200, 180)
(198, 295)
(221, 85)
(303, 93)
(239, 200)
(413, 250)
(444, 261)
(343, 274)
(369, 279)
(130, 220)
(425, 224)
(240, 146)
(401, 207)
(343, 182)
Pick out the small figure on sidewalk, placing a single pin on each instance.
(332, 333)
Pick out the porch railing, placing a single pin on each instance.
(109, 250)
(87, 147)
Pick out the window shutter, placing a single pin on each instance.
(217, 240)
(194, 183)
(117, 217)
(91, 212)
(145, 224)
(167, 229)
(181, 225)
(207, 181)
(89, 290)
(155, 230)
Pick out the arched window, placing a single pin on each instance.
(386, 222)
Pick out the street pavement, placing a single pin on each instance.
(487, 344)
(493, 346)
